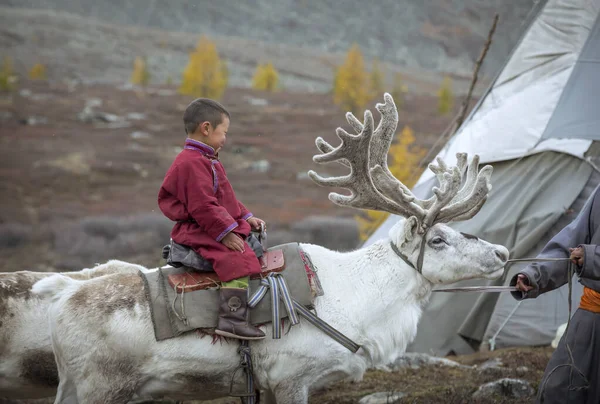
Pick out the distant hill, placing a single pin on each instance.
(304, 38)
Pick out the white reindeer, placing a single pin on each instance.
(27, 367)
(103, 336)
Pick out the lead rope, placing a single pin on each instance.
(492, 340)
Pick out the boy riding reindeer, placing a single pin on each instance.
(198, 196)
(100, 330)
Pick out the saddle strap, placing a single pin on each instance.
(275, 283)
(326, 328)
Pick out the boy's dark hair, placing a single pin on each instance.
(201, 110)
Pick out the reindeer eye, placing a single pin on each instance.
(438, 241)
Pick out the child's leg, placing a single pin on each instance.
(234, 311)
(240, 283)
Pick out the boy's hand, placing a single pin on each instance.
(256, 222)
(577, 256)
(233, 242)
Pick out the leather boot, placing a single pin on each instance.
(233, 316)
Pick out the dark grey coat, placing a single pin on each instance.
(562, 382)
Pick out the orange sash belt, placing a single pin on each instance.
(590, 300)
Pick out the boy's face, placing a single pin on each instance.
(215, 137)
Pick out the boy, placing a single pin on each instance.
(198, 196)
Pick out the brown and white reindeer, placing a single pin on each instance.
(102, 331)
(27, 366)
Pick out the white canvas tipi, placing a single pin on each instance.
(539, 126)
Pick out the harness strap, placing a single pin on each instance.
(421, 254)
(276, 284)
(404, 258)
(419, 267)
(326, 328)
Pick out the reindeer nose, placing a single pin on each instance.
(503, 255)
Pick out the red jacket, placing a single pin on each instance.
(197, 194)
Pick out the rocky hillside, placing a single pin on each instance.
(304, 39)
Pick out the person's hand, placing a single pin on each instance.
(256, 222)
(577, 256)
(233, 242)
(523, 283)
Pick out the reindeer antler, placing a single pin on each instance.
(355, 152)
(471, 197)
(374, 187)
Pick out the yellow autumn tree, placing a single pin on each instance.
(8, 78)
(204, 75)
(140, 75)
(403, 160)
(351, 83)
(399, 90)
(265, 78)
(445, 96)
(38, 72)
(376, 81)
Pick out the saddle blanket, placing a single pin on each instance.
(175, 312)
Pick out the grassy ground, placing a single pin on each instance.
(441, 384)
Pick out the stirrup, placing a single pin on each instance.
(246, 366)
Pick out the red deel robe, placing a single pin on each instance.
(197, 194)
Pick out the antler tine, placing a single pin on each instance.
(469, 203)
(461, 162)
(382, 177)
(325, 147)
(389, 186)
(355, 151)
(449, 187)
(382, 139)
(439, 171)
(469, 214)
(354, 122)
(384, 134)
(472, 171)
(453, 202)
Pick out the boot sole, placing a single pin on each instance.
(230, 335)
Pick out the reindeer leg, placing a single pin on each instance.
(291, 393)
(104, 394)
(67, 393)
(267, 397)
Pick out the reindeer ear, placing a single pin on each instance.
(411, 226)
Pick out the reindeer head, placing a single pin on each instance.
(421, 238)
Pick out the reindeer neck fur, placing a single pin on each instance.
(373, 295)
